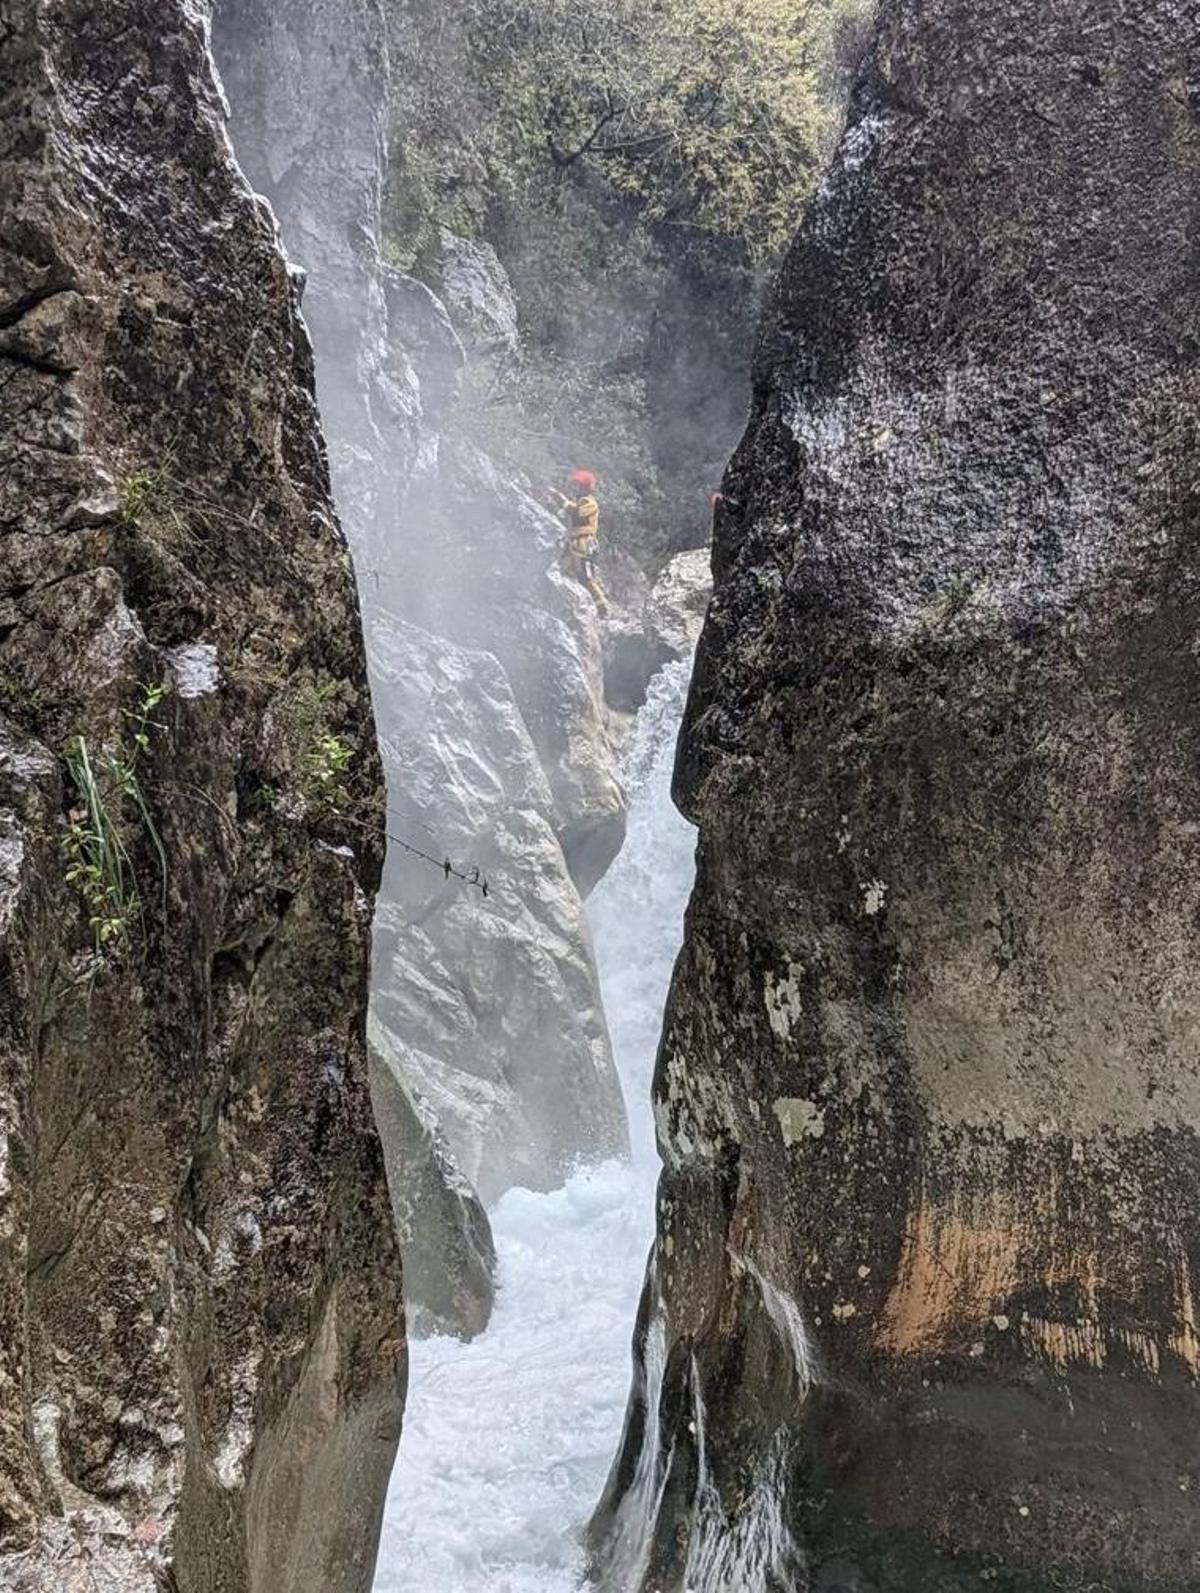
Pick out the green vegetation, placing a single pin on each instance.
(308, 716)
(99, 863)
(638, 166)
(145, 495)
(325, 767)
(709, 114)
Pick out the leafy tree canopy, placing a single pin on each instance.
(709, 114)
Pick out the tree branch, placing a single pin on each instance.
(561, 158)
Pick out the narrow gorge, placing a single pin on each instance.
(425, 974)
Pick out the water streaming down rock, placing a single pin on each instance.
(507, 1440)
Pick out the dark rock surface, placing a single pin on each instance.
(923, 1314)
(201, 1334)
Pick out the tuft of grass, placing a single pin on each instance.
(145, 495)
(99, 864)
(321, 757)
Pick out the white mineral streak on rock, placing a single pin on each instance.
(228, 1463)
(194, 668)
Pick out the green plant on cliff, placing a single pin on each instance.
(99, 863)
(325, 766)
(144, 494)
(320, 755)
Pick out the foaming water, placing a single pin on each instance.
(508, 1441)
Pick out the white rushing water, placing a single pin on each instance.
(507, 1441)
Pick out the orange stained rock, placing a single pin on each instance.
(961, 1263)
(953, 1269)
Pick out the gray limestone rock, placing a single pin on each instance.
(479, 296)
(445, 542)
(663, 626)
(923, 1312)
(495, 997)
(202, 1346)
(678, 602)
(449, 1257)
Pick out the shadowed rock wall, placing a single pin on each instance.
(201, 1335)
(923, 1315)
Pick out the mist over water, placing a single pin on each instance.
(508, 1441)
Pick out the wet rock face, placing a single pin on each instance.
(494, 998)
(201, 1333)
(478, 293)
(493, 1002)
(924, 1309)
(662, 629)
(449, 1257)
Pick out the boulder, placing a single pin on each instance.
(678, 602)
(666, 629)
(477, 291)
(922, 1316)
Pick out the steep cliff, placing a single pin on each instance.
(497, 755)
(201, 1334)
(923, 1316)
(494, 998)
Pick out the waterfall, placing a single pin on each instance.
(508, 1440)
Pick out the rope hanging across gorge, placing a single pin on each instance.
(474, 876)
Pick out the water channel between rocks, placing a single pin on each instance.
(508, 1440)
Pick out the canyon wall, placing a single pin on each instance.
(485, 659)
(202, 1342)
(922, 1316)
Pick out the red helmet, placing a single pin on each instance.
(584, 479)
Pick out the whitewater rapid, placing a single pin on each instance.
(507, 1441)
